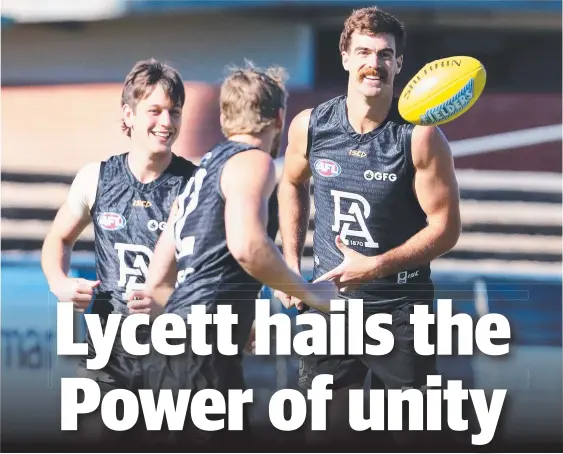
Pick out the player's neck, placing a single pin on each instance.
(263, 141)
(147, 167)
(365, 114)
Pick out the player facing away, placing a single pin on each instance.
(218, 251)
(386, 204)
(128, 198)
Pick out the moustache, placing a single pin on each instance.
(380, 73)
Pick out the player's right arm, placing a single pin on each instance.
(70, 221)
(293, 194)
(247, 182)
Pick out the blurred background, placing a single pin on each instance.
(63, 63)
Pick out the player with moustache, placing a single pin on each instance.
(386, 205)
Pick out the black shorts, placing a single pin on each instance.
(123, 371)
(401, 368)
(189, 371)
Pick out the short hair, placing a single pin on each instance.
(143, 79)
(373, 20)
(251, 98)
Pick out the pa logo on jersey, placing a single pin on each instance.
(327, 168)
(351, 212)
(134, 260)
(111, 221)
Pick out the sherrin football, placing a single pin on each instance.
(442, 90)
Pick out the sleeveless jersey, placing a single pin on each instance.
(207, 272)
(128, 218)
(363, 190)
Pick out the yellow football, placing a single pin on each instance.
(442, 91)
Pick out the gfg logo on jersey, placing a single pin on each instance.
(327, 168)
(379, 176)
(358, 210)
(111, 221)
(134, 262)
(153, 225)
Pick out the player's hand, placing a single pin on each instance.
(77, 290)
(250, 346)
(320, 295)
(140, 303)
(354, 269)
(288, 301)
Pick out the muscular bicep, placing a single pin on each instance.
(82, 192)
(67, 226)
(296, 163)
(74, 215)
(435, 182)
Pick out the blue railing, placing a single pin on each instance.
(155, 6)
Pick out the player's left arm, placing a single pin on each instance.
(437, 191)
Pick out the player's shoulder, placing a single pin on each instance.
(248, 168)
(303, 118)
(427, 143)
(427, 135)
(249, 160)
(91, 166)
(89, 171)
(300, 123)
(326, 109)
(330, 103)
(251, 154)
(84, 188)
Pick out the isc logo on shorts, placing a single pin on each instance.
(404, 276)
(111, 221)
(327, 168)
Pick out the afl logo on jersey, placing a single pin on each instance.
(111, 221)
(327, 168)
